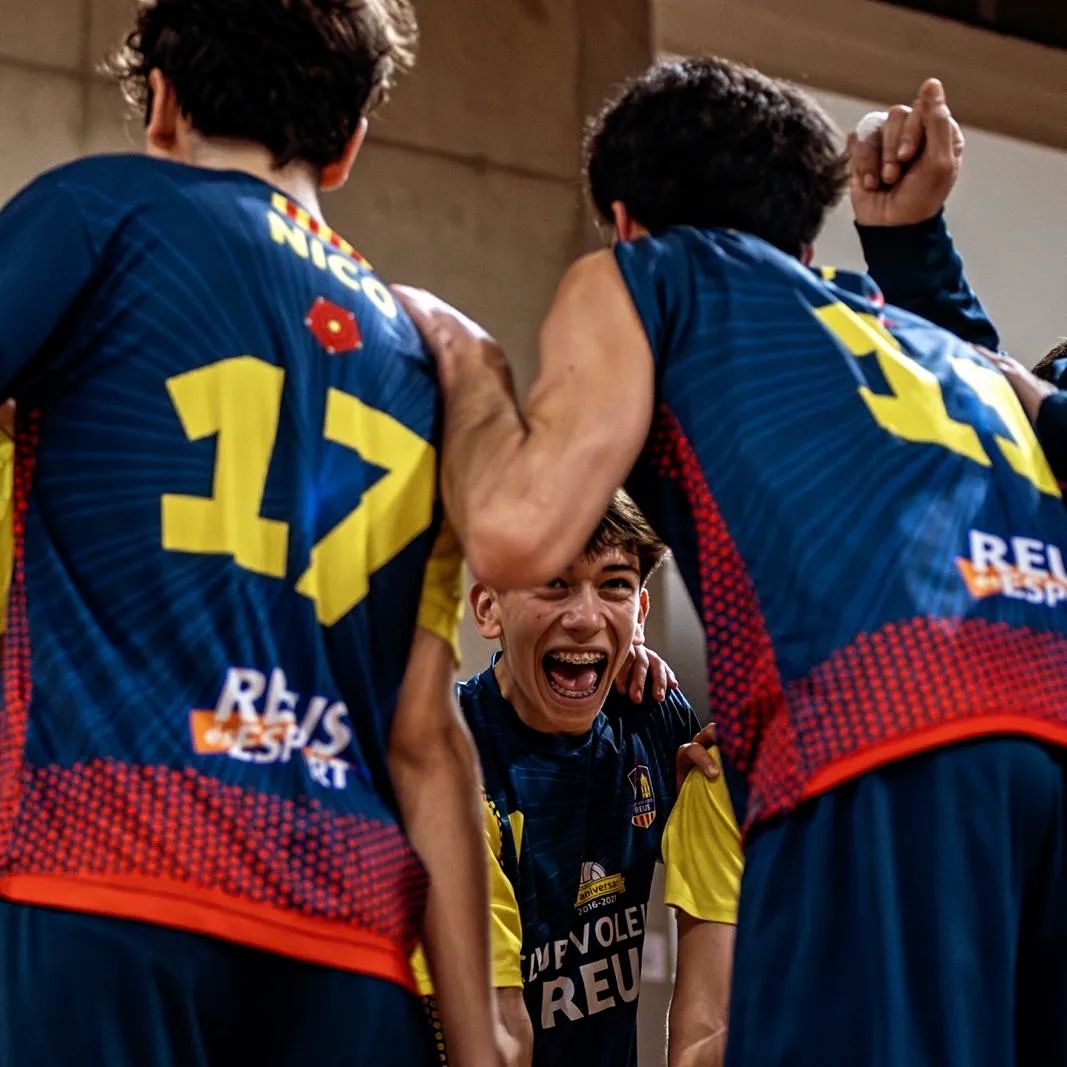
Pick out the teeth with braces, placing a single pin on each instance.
(569, 694)
(579, 657)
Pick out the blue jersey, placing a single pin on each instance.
(917, 267)
(860, 510)
(581, 821)
(225, 513)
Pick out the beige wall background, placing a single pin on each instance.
(470, 185)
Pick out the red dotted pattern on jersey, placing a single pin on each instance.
(17, 689)
(884, 689)
(108, 818)
(744, 686)
(920, 674)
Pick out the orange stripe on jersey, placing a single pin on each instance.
(912, 744)
(216, 914)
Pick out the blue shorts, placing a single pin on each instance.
(90, 991)
(916, 917)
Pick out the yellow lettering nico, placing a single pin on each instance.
(238, 401)
(392, 513)
(283, 232)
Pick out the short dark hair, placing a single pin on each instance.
(293, 75)
(1045, 367)
(624, 527)
(709, 143)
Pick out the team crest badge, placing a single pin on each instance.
(333, 327)
(644, 810)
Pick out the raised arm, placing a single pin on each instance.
(435, 773)
(525, 488)
(903, 165)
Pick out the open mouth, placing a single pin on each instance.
(574, 675)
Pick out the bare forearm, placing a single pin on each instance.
(439, 796)
(516, 487)
(485, 449)
(515, 1020)
(695, 1042)
(700, 1006)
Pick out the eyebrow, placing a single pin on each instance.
(616, 568)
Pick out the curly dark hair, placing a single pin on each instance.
(293, 75)
(624, 527)
(708, 143)
(1046, 366)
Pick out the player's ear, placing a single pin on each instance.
(164, 114)
(627, 228)
(334, 175)
(643, 604)
(485, 610)
(622, 220)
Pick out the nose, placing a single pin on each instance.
(583, 616)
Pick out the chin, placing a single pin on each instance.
(571, 714)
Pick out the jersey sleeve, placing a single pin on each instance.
(505, 925)
(48, 259)
(918, 269)
(702, 852)
(441, 603)
(658, 275)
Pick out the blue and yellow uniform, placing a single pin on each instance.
(575, 827)
(225, 515)
(875, 540)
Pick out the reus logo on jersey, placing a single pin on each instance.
(272, 732)
(598, 888)
(1021, 568)
(644, 809)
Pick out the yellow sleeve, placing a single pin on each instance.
(505, 926)
(441, 604)
(702, 851)
(7, 508)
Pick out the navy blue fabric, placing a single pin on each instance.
(918, 269)
(91, 991)
(1051, 429)
(132, 291)
(912, 918)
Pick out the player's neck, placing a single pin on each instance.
(298, 181)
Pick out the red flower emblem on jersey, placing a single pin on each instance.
(333, 327)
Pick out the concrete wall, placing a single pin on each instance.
(866, 48)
